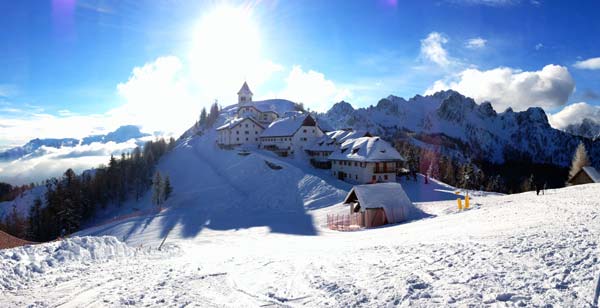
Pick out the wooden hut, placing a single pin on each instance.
(586, 175)
(379, 204)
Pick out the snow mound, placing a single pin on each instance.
(22, 264)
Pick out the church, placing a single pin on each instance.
(262, 124)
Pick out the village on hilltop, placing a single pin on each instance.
(353, 156)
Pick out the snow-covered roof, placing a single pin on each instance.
(288, 126)
(341, 136)
(235, 122)
(592, 173)
(322, 144)
(245, 89)
(389, 196)
(367, 149)
(332, 140)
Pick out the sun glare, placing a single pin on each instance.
(226, 44)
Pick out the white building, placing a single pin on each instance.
(250, 121)
(320, 149)
(366, 160)
(287, 135)
(239, 131)
(258, 113)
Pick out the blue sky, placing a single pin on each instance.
(100, 64)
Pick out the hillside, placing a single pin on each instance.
(522, 250)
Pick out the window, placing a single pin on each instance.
(256, 132)
(247, 132)
(237, 139)
(246, 125)
(356, 176)
(304, 131)
(385, 177)
(313, 130)
(255, 139)
(246, 138)
(373, 178)
(237, 132)
(355, 164)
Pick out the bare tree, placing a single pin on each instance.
(580, 160)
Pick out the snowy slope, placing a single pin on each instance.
(23, 202)
(223, 190)
(522, 250)
(463, 128)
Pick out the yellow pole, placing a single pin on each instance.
(459, 203)
(467, 200)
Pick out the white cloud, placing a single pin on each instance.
(312, 89)
(574, 114)
(48, 162)
(539, 46)
(476, 43)
(507, 87)
(433, 50)
(589, 64)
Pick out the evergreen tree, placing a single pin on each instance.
(580, 160)
(157, 190)
(34, 225)
(203, 117)
(168, 189)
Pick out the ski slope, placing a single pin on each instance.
(517, 250)
(242, 234)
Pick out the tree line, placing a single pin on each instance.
(72, 199)
(512, 176)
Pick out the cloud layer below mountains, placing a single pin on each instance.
(48, 162)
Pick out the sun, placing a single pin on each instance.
(226, 43)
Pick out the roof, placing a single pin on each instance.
(9, 241)
(260, 108)
(235, 122)
(288, 126)
(389, 196)
(592, 173)
(245, 89)
(366, 149)
(331, 140)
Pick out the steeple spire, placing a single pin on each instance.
(244, 94)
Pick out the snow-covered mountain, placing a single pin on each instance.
(35, 144)
(462, 128)
(121, 134)
(587, 128)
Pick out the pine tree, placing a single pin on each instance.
(168, 189)
(580, 160)
(203, 117)
(34, 226)
(157, 190)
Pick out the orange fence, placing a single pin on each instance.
(346, 222)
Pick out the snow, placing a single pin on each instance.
(284, 127)
(389, 196)
(19, 266)
(368, 149)
(23, 202)
(593, 173)
(241, 234)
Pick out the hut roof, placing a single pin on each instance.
(389, 196)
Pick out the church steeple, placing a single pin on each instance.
(244, 94)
